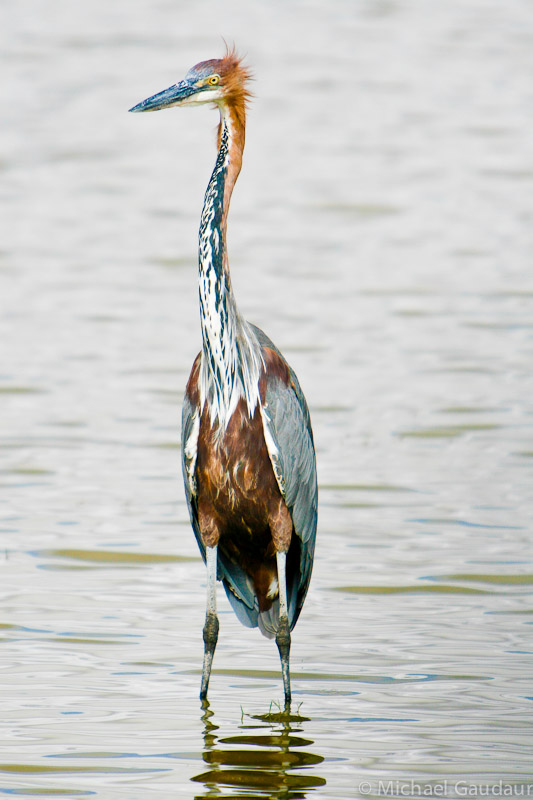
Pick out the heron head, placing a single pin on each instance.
(221, 81)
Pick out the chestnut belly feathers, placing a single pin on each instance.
(240, 506)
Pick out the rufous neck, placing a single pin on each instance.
(231, 135)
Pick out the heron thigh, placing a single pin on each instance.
(280, 523)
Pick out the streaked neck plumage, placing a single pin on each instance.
(231, 357)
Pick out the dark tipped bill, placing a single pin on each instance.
(168, 98)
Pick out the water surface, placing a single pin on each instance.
(381, 234)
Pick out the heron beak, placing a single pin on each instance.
(173, 96)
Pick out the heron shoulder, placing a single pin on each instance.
(192, 390)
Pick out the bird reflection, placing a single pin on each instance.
(260, 760)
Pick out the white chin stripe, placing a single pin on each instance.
(208, 96)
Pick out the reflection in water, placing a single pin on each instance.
(259, 763)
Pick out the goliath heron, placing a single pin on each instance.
(247, 446)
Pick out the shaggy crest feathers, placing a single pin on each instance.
(235, 79)
(236, 76)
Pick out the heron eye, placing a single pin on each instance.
(213, 80)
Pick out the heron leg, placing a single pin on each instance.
(283, 636)
(211, 619)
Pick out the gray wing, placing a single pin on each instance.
(289, 439)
